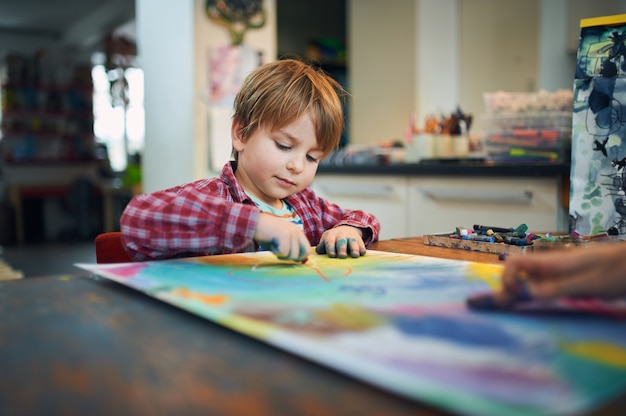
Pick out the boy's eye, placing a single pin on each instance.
(312, 158)
(282, 146)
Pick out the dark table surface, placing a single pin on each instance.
(80, 344)
(84, 345)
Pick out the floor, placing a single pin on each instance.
(46, 259)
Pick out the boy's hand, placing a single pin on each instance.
(342, 241)
(282, 238)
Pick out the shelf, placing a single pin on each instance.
(43, 123)
(54, 172)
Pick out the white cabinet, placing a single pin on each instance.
(438, 205)
(383, 196)
(410, 205)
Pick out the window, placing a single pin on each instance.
(119, 112)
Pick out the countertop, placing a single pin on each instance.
(457, 167)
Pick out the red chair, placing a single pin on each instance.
(109, 248)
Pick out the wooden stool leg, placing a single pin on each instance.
(15, 199)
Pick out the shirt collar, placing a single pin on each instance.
(236, 190)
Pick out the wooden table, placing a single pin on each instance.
(84, 345)
(415, 245)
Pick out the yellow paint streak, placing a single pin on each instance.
(489, 273)
(349, 317)
(247, 326)
(213, 300)
(239, 259)
(600, 352)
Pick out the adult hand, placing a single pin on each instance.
(598, 271)
(342, 241)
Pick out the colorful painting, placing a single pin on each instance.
(598, 174)
(401, 322)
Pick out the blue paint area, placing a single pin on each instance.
(474, 333)
(363, 290)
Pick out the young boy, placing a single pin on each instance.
(287, 118)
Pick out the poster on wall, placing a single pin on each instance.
(598, 171)
(228, 65)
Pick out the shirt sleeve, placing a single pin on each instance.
(190, 220)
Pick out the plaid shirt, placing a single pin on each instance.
(216, 216)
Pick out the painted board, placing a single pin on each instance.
(400, 322)
(598, 168)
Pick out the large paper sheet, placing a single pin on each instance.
(401, 322)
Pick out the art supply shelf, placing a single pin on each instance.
(528, 127)
(46, 121)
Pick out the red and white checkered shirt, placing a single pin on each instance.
(216, 216)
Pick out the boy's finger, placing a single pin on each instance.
(331, 251)
(304, 253)
(355, 249)
(342, 248)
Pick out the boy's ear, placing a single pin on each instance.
(236, 135)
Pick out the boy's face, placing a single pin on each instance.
(274, 165)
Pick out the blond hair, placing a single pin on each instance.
(278, 93)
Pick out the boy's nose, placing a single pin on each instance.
(296, 164)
